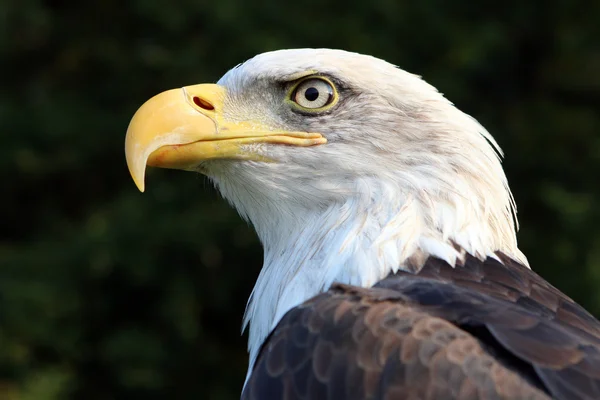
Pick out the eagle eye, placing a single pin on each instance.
(314, 94)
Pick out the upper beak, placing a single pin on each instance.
(180, 128)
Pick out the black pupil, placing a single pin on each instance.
(311, 94)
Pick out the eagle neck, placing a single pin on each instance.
(359, 242)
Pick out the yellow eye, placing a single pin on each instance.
(313, 93)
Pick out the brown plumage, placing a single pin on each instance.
(486, 330)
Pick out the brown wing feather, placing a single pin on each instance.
(485, 330)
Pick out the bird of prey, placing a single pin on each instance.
(391, 267)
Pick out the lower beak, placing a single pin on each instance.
(180, 128)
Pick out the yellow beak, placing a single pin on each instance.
(180, 128)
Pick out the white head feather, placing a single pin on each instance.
(404, 175)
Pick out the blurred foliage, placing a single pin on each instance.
(106, 293)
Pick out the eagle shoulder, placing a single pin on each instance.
(486, 329)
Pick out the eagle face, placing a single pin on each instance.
(318, 125)
(287, 95)
(379, 123)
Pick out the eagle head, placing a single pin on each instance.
(348, 167)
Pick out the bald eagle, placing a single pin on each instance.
(391, 267)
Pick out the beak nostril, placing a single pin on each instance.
(205, 105)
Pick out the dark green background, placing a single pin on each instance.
(106, 293)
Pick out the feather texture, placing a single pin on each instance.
(487, 330)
